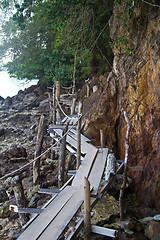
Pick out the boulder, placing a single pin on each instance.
(33, 202)
(3, 195)
(4, 210)
(44, 106)
(2, 132)
(152, 230)
(14, 152)
(32, 191)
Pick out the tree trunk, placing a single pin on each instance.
(62, 158)
(20, 198)
(121, 208)
(36, 164)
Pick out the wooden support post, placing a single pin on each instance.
(20, 198)
(73, 106)
(102, 139)
(62, 158)
(36, 164)
(87, 212)
(121, 209)
(54, 104)
(58, 93)
(79, 135)
(88, 90)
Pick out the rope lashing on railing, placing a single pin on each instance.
(26, 165)
(64, 112)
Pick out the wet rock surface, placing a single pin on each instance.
(19, 120)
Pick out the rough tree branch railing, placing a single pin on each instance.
(125, 167)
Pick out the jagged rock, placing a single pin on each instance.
(14, 152)
(4, 210)
(19, 119)
(33, 128)
(3, 195)
(44, 106)
(49, 161)
(46, 169)
(138, 236)
(153, 229)
(2, 132)
(156, 217)
(7, 103)
(14, 234)
(32, 191)
(146, 220)
(33, 202)
(51, 180)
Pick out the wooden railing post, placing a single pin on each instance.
(123, 186)
(58, 93)
(62, 158)
(54, 105)
(79, 136)
(36, 164)
(102, 138)
(87, 212)
(73, 106)
(20, 198)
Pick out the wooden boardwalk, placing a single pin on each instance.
(51, 223)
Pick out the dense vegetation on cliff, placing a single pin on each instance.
(57, 40)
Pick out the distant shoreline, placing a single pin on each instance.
(9, 87)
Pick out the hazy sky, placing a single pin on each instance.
(11, 86)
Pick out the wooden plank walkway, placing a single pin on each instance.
(50, 224)
(49, 213)
(98, 169)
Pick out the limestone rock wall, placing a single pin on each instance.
(133, 86)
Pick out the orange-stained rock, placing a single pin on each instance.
(135, 88)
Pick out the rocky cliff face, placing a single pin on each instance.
(134, 86)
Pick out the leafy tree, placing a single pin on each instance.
(49, 39)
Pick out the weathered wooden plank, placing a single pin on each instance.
(49, 213)
(49, 191)
(57, 126)
(71, 172)
(85, 167)
(120, 161)
(104, 231)
(119, 175)
(48, 202)
(72, 141)
(30, 210)
(58, 225)
(93, 203)
(75, 135)
(98, 169)
(84, 140)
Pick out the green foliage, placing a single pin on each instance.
(45, 37)
(124, 20)
(122, 42)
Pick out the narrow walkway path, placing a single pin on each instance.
(51, 223)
